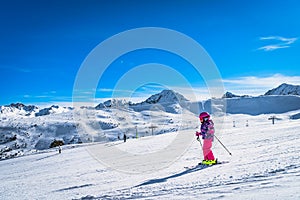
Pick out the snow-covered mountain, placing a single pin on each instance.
(165, 96)
(285, 89)
(231, 95)
(26, 129)
(113, 103)
(18, 109)
(167, 100)
(52, 110)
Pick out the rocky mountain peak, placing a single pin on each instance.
(166, 96)
(285, 89)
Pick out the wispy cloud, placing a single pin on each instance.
(15, 69)
(278, 42)
(140, 91)
(254, 85)
(272, 47)
(247, 85)
(279, 38)
(112, 90)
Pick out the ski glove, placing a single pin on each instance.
(198, 134)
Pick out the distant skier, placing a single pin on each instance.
(207, 132)
(124, 137)
(59, 149)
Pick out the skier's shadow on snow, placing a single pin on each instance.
(164, 179)
(49, 156)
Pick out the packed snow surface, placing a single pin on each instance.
(264, 164)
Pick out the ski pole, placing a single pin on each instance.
(199, 141)
(223, 145)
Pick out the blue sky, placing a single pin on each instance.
(254, 44)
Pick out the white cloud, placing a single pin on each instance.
(247, 85)
(113, 90)
(279, 38)
(272, 47)
(281, 42)
(104, 90)
(254, 85)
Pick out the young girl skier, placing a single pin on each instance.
(207, 131)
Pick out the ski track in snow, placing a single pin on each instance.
(264, 164)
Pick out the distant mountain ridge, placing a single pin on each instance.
(166, 96)
(172, 99)
(285, 89)
(113, 103)
(228, 95)
(31, 110)
(19, 108)
(168, 101)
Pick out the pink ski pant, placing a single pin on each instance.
(207, 152)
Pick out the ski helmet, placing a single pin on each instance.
(204, 116)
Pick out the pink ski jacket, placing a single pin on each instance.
(208, 130)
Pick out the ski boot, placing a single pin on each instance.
(209, 162)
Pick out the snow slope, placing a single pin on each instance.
(265, 163)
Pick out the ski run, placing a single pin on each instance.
(265, 164)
